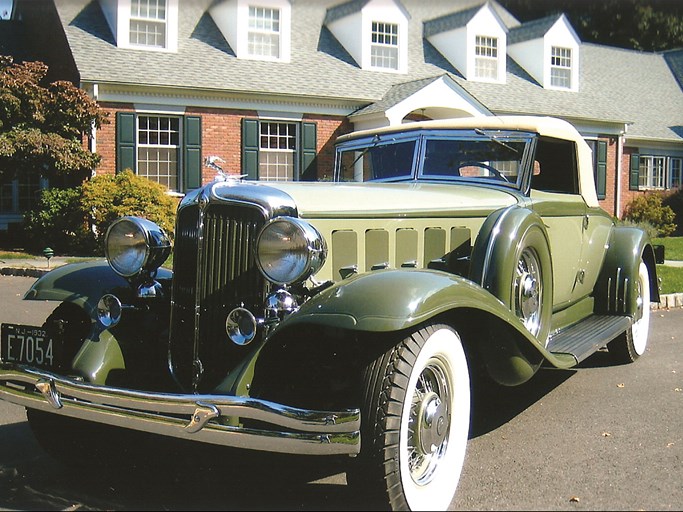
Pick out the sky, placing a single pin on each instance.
(5, 9)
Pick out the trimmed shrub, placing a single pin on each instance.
(649, 208)
(75, 220)
(107, 197)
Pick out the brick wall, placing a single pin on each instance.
(222, 137)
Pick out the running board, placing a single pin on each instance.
(586, 337)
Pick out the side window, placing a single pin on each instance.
(555, 166)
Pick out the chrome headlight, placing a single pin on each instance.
(289, 250)
(133, 245)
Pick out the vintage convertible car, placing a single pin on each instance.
(346, 317)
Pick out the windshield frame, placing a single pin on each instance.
(422, 137)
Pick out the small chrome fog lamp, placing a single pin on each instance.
(280, 304)
(109, 310)
(134, 245)
(241, 326)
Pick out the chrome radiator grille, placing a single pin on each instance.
(214, 271)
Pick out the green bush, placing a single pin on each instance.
(57, 221)
(649, 208)
(75, 220)
(107, 197)
(675, 202)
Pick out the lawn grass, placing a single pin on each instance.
(15, 255)
(673, 247)
(672, 279)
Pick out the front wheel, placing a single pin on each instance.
(631, 344)
(416, 416)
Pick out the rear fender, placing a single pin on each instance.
(627, 247)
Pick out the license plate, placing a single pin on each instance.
(27, 344)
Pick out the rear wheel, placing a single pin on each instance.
(631, 344)
(416, 416)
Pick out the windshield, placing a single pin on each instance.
(444, 155)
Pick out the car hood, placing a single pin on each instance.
(393, 199)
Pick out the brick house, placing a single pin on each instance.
(264, 88)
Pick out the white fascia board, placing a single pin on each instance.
(158, 98)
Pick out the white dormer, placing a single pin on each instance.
(474, 41)
(255, 29)
(143, 24)
(548, 49)
(375, 33)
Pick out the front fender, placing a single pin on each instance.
(84, 284)
(394, 300)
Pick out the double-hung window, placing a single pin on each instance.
(275, 150)
(277, 146)
(164, 148)
(486, 57)
(561, 67)
(264, 32)
(21, 194)
(148, 23)
(158, 149)
(651, 172)
(384, 45)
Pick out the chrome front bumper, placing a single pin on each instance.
(201, 418)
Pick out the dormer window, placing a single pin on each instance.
(264, 32)
(148, 23)
(561, 67)
(486, 58)
(384, 48)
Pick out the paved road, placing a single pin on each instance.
(600, 437)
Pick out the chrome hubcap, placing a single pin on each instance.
(528, 291)
(430, 419)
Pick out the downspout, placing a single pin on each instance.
(93, 128)
(620, 153)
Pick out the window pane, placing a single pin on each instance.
(676, 178)
(263, 38)
(384, 48)
(561, 67)
(276, 152)
(148, 23)
(486, 60)
(158, 147)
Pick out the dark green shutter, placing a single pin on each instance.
(601, 169)
(192, 152)
(309, 140)
(250, 147)
(125, 141)
(634, 175)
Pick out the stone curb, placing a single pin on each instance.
(667, 301)
(24, 272)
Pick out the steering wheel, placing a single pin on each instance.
(473, 163)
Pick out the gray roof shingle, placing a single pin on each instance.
(615, 85)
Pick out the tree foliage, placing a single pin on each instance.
(648, 25)
(42, 126)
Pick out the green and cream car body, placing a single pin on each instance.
(347, 317)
